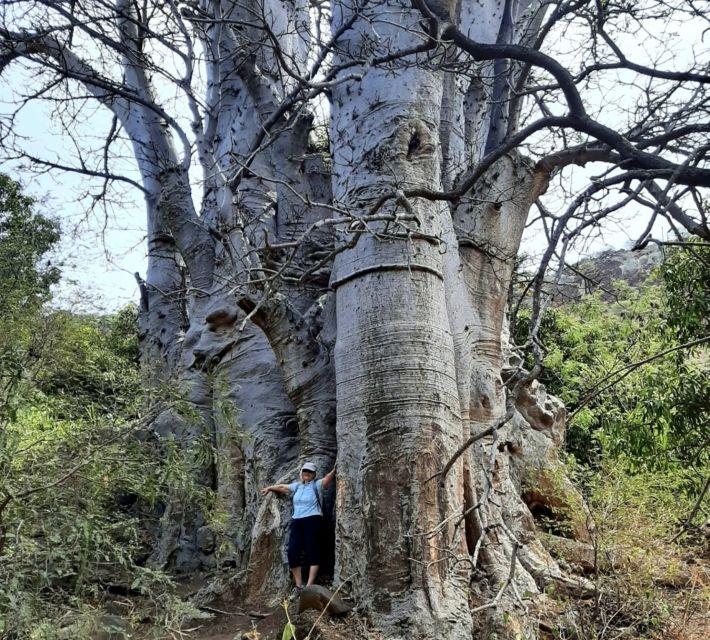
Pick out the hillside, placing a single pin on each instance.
(601, 271)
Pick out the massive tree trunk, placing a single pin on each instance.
(262, 351)
(407, 351)
(399, 415)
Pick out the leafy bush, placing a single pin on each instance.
(686, 274)
(88, 365)
(634, 392)
(72, 453)
(26, 275)
(63, 536)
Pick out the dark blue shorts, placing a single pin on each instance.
(304, 545)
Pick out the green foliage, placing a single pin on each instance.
(624, 402)
(26, 275)
(88, 365)
(67, 452)
(25, 239)
(288, 632)
(73, 454)
(82, 484)
(634, 519)
(686, 274)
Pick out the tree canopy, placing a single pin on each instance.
(26, 275)
(26, 237)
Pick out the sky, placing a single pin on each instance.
(103, 247)
(99, 250)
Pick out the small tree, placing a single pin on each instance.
(26, 275)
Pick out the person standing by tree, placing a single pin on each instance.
(304, 548)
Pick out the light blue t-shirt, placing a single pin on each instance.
(305, 499)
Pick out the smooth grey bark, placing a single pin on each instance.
(399, 415)
(417, 374)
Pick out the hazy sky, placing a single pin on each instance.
(101, 250)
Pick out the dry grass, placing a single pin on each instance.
(647, 586)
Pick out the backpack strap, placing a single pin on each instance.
(318, 496)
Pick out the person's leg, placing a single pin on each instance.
(311, 540)
(295, 550)
(312, 574)
(296, 572)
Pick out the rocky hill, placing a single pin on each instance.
(602, 271)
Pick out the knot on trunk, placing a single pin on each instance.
(411, 142)
(221, 316)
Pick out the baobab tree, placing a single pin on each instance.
(335, 196)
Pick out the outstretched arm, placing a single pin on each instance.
(276, 488)
(329, 477)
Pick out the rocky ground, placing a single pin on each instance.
(685, 598)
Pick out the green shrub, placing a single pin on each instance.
(633, 391)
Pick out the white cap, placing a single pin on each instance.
(308, 466)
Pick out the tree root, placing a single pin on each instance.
(526, 507)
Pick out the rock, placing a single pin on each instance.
(542, 412)
(603, 270)
(578, 554)
(107, 627)
(205, 539)
(113, 628)
(320, 599)
(551, 496)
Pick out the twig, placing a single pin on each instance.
(459, 452)
(509, 580)
(686, 523)
(226, 613)
(257, 614)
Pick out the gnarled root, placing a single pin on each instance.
(519, 501)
